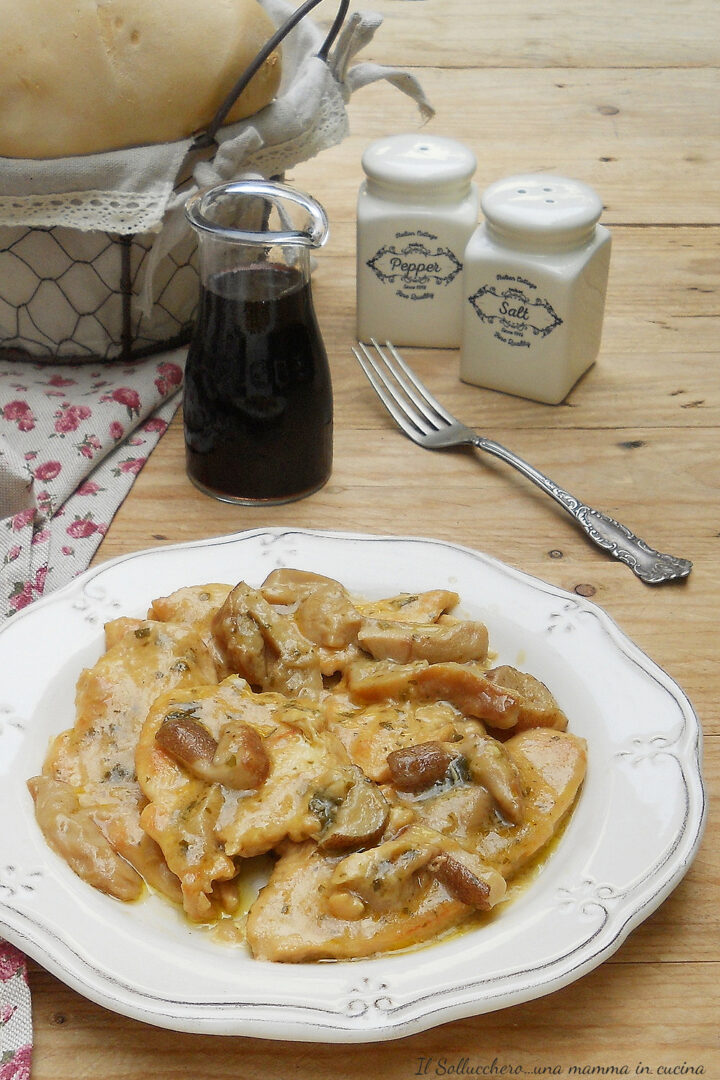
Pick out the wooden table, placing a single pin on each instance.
(625, 97)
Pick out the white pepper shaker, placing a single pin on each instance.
(534, 286)
(417, 209)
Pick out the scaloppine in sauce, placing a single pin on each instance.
(391, 782)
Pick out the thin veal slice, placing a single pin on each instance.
(205, 828)
(89, 775)
(302, 915)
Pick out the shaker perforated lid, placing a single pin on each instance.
(541, 205)
(418, 161)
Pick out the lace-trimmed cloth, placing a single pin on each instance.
(128, 191)
(96, 258)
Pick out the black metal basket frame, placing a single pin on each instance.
(204, 146)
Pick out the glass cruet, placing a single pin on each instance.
(257, 403)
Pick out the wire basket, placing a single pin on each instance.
(70, 295)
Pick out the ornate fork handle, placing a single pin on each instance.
(652, 567)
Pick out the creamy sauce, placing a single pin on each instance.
(401, 790)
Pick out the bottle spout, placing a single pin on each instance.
(258, 212)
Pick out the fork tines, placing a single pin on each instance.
(399, 389)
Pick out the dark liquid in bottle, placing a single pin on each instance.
(258, 398)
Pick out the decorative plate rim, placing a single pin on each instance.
(385, 997)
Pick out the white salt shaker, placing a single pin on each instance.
(534, 287)
(416, 211)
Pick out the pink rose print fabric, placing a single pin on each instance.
(15, 1023)
(73, 438)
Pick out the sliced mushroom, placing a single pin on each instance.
(237, 760)
(239, 638)
(185, 740)
(415, 768)
(490, 764)
(538, 707)
(327, 616)
(358, 819)
(552, 766)
(264, 645)
(241, 760)
(468, 688)
(389, 639)
(389, 875)
(468, 879)
(324, 613)
(287, 585)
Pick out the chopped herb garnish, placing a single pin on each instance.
(458, 771)
(323, 807)
(180, 711)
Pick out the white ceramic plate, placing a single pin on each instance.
(631, 839)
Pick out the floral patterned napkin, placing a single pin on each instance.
(15, 1015)
(72, 440)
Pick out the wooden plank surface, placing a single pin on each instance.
(625, 96)
(574, 34)
(647, 139)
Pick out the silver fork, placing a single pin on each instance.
(430, 425)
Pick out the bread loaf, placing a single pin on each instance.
(85, 76)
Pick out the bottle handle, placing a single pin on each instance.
(207, 137)
(199, 212)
